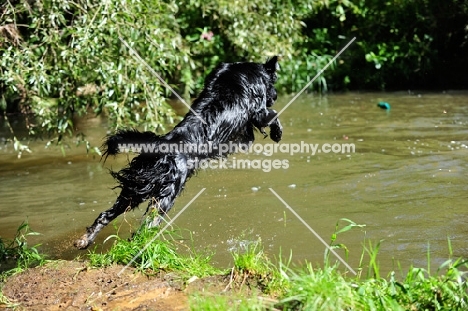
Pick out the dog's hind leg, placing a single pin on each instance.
(152, 218)
(160, 209)
(122, 203)
(170, 188)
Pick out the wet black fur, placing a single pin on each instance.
(234, 102)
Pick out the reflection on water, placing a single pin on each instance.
(407, 181)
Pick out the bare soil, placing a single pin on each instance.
(72, 285)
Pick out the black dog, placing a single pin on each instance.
(235, 100)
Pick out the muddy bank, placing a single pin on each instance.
(72, 285)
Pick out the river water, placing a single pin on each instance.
(406, 181)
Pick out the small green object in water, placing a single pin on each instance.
(384, 105)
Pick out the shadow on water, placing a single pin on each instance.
(407, 181)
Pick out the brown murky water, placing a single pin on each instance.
(407, 181)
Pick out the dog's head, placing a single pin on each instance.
(271, 66)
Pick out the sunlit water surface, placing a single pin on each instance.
(407, 181)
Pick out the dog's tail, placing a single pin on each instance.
(126, 140)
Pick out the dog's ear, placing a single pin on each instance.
(272, 65)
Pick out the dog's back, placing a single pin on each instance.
(234, 102)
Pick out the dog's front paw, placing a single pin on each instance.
(82, 242)
(276, 130)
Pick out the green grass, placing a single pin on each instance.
(159, 254)
(328, 288)
(229, 302)
(18, 252)
(255, 282)
(253, 268)
(318, 289)
(15, 256)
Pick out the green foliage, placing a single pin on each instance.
(62, 59)
(231, 302)
(246, 30)
(319, 289)
(305, 288)
(252, 267)
(400, 44)
(252, 261)
(418, 290)
(18, 250)
(350, 225)
(16, 256)
(150, 254)
(327, 288)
